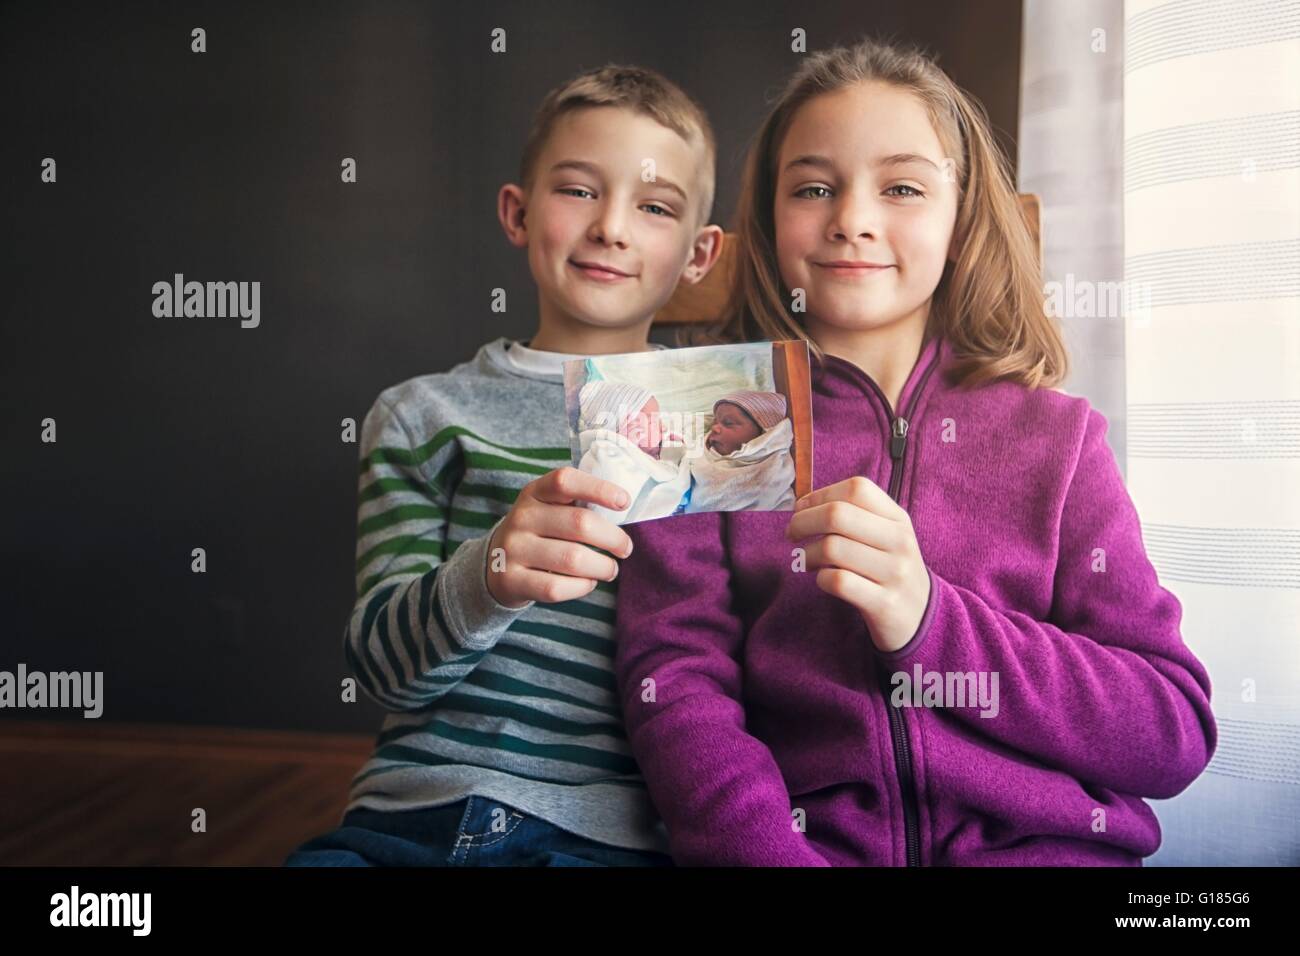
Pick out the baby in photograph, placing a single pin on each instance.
(621, 440)
(745, 463)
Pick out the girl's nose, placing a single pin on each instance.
(853, 216)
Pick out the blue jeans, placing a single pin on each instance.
(475, 831)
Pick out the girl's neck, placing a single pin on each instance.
(887, 354)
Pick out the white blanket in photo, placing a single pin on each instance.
(758, 476)
(655, 487)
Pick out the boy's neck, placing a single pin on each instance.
(577, 338)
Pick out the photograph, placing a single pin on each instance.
(710, 428)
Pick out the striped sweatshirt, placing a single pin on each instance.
(516, 705)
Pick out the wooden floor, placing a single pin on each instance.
(91, 794)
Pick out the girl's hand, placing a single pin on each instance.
(868, 555)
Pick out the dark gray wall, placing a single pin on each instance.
(182, 433)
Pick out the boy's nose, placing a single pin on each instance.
(609, 227)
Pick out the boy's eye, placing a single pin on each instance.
(803, 193)
(661, 210)
(572, 190)
(914, 190)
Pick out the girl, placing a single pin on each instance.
(955, 651)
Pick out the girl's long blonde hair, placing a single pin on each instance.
(989, 303)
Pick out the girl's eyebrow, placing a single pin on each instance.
(902, 159)
(817, 162)
(894, 159)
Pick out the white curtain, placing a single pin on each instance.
(1212, 226)
(1211, 355)
(1071, 151)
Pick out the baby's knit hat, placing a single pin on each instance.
(606, 404)
(766, 408)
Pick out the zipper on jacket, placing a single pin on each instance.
(898, 730)
(897, 448)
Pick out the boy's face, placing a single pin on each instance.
(605, 247)
(836, 202)
(731, 429)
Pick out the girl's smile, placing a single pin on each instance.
(848, 269)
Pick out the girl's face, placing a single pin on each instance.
(731, 429)
(864, 215)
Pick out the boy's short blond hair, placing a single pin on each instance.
(637, 88)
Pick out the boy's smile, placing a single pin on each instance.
(598, 271)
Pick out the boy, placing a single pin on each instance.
(484, 619)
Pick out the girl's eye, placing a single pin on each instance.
(655, 205)
(571, 190)
(914, 190)
(803, 193)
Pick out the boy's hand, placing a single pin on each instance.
(868, 554)
(545, 538)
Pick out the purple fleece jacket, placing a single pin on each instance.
(766, 737)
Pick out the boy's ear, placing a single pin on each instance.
(512, 202)
(704, 254)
